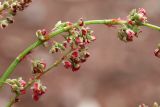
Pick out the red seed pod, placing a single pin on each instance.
(76, 67)
(84, 31)
(38, 90)
(22, 82)
(76, 60)
(79, 41)
(23, 91)
(67, 64)
(75, 54)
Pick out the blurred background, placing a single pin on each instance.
(116, 75)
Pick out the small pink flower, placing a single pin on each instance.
(23, 83)
(79, 41)
(130, 22)
(130, 34)
(36, 97)
(142, 11)
(69, 40)
(38, 90)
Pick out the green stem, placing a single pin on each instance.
(152, 26)
(13, 65)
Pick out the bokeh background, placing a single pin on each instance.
(116, 75)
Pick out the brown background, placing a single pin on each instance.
(116, 75)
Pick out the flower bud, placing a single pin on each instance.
(67, 64)
(81, 22)
(76, 67)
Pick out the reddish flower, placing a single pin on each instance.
(142, 11)
(67, 64)
(75, 67)
(23, 91)
(38, 90)
(75, 54)
(65, 44)
(130, 22)
(84, 32)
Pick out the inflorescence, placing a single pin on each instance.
(9, 8)
(75, 40)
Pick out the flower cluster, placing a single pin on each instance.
(17, 85)
(131, 29)
(38, 90)
(77, 39)
(42, 35)
(58, 47)
(38, 66)
(9, 8)
(137, 17)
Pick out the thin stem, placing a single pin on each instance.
(13, 65)
(12, 101)
(152, 26)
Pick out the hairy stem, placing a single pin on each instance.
(13, 65)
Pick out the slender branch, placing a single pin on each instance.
(12, 101)
(13, 65)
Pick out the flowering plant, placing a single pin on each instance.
(74, 47)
